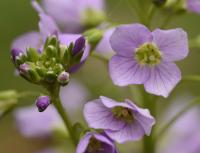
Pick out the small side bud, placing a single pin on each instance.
(16, 54)
(51, 51)
(63, 78)
(79, 45)
(24, 68)
(42, 103)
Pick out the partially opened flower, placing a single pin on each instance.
(122, 121)
(94, 142)
(148, 58)
(193, 5)
(70, 14)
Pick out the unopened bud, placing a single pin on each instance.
(63, 78)
(79, 45)
(16, 54)
(42, 103)
(24, 68)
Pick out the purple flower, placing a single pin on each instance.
(42, 103)
(68, 14)
(121, 121)
(95, 143)
(148, 58)
(193, 5)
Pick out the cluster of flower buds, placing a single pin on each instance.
(51, 65)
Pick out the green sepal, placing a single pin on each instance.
(34, 76)
(51, 51)
(52, 40)
(50, 77)
(32, 55)
(93, 37)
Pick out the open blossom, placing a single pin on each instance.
(96, 143)
(148, 58)
(194, 5)
(69, 14)
(121, 121)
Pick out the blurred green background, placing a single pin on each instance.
(17, 17)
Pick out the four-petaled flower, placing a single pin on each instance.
(94, 142)
(121, 121)
(145, 57)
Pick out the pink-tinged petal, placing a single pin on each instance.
(143, 116)
(100, 117)
(83, 144)
(173, 44)
(193, 5)
(125, 71)
(110, 103)
(163, 79)
(127, 38)
(30, 39)
(130, 132)
(47, 26)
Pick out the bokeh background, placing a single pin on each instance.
(17, 17)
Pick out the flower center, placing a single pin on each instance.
(123, 114)
(94, 146)
(148, 54)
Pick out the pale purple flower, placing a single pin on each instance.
(68, 14)
(32, 123)
(193, 5)
(94, 142)
(148, 58)
(122, 121)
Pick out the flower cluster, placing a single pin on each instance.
(139, 57)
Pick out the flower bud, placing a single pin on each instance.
(63, 78)
(42, 103)
(93, 36)
(24, 68)
(79, 45)
(16, 54)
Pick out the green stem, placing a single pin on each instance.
(99, 57)
(176, 117)
(61, 111)
(149, 145)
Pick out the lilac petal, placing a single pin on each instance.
(126, 71)
(47, 26)
(82, 146)
(110, 103)
(163, 79)
(130, 132)
(143, 116)
(37, 7)
(127, 38)
(104, 47)
(30, 39)
(100, 117)
(31, 123)
(194, 5)
(172, 43)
